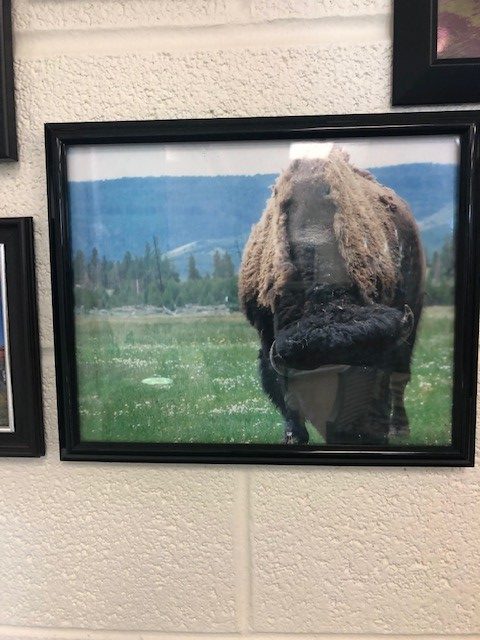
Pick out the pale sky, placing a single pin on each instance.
(105, 162)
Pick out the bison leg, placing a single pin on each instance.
(379, 418)
(295, 429)
(399, 425)
(366, 423)
(400, 377)
(275, 387)
(400, 366)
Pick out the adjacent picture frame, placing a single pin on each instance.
(435, 56)
(21, 419)
(163, 294)
(8, 135)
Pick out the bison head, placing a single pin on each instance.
(338, 306)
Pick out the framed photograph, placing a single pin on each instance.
(21, 424)
(8, 136)
(437, 61)
(436, 52)
(268, 290)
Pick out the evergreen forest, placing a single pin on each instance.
(152, 280)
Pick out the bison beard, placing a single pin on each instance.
(354, 335)
(332, 279)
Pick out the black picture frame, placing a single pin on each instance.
(60, 137)
(8, 136)
(419, 77)
(26, 439)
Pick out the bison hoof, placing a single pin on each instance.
(292, 438)
(399, 430)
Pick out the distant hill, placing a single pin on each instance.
(122, 215)
(426, 187)
(431, 192)
(436, 227)
(199, 214)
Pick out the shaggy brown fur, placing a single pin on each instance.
(266, 267)
(364, 227)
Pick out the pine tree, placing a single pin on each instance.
(436, 267)
(168, 269)
(158, 265)
(125, 270)
(448, 258)
(79, 268)
(193, 272)
(146, 273)
(104, 268)
(222, 265)
(93, 269)
(217, 264)
(440, 282)
(228, 269)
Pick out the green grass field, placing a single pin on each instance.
(215, 393)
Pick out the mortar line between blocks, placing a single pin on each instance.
(242, 553)
(66, 633)
(118, 40)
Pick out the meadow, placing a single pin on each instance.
(208, 389)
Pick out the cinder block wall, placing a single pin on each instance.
(139, 551)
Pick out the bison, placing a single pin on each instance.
(332, 278)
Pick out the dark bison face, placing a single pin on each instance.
(310, 213)
(322, 319)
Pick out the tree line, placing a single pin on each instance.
(151, 279)
(440, 276)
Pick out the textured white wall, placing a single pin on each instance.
(145, 551)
